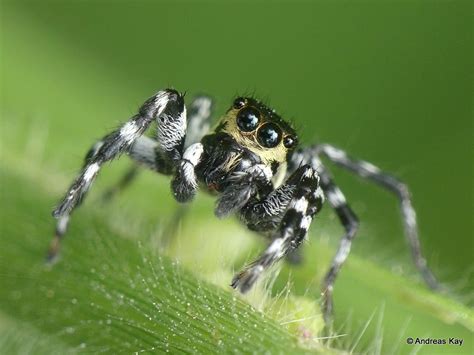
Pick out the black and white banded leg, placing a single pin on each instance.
(305, 203)
(199, 122)
(264, 215)
(184, 183)
(146, 151)
(371, 172)
(350, 223)
(199, 119)
(167, 107)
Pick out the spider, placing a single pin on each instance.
(252, 162)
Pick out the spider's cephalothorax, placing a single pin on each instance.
(251, 162)
(258, 128)
(249, 134)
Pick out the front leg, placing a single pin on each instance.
(242, 186)
(306, 201)
(184, 183)
(263, 215)
(167, 107)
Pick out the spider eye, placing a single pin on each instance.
(239, 102)
(269, 135)
(248, 119)
(289, 141)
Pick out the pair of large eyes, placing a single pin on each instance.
(269, 135)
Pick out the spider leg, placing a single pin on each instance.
(265, 214)
(167, 107)
(144, 152)
(347, 216)
(306, 201)
(351, 224)
(242, 187)
(184, 183)
(369, 171)
(198, 122)
(199, 119)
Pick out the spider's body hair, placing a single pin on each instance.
(251, 163)
(224, 159)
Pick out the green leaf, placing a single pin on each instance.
(113, 294)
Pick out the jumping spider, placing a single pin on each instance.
(252, 163)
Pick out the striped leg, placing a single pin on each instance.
(199, 119)
(305, 203)
(184, 183)
(373, 173)
(346, 216)
(146, 152)
(265, 214)
(350, 222)
(168, 108)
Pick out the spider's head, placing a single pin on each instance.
(259, 129)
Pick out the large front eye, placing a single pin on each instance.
(269, 135)
(248, 118)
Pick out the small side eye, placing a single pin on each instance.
(248, 119)
(289, 141)
(239, 103)
(269, 135)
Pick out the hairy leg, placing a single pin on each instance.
(371, 172)
(306, 201)
(146, 151)
(168, 108)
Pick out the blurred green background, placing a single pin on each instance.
(390, 82)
